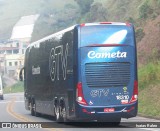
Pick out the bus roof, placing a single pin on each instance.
(72, 27)
(50, 36)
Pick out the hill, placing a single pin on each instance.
(49, 11)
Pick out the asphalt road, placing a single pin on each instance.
(12, 110)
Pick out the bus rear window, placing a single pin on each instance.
(107, 34)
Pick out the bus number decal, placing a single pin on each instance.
(58, 61)
(122, 97)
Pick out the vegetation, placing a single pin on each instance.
(139, 34)
(149, 89)
(18, 87)
(149, 103)
(149, 74)
(98, 9)
(84, 5)
(145, 10)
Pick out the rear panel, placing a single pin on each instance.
(107, 64)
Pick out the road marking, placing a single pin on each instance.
(12, 113)
(21, 118)
(4, 102)
(19, 101)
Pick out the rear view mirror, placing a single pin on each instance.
(21, 74)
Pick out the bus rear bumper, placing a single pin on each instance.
(93, 113)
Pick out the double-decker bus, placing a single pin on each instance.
(85, 72)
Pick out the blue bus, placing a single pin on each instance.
(85, 72)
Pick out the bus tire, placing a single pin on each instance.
(32, 108)
(63, 113)
(57, 112)
(37, 114)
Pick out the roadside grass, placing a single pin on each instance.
(149, 74)
(18, 87)
(149, 90)
(149, 102)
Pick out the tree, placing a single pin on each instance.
(97, 13)
(84, 5)
(145, 10)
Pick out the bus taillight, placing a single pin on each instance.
(128, 24)
(135, 92)
(83, 24)
(79, 94)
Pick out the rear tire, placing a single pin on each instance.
(32, 108)
(57, 112)
(63, 113)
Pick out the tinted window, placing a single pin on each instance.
(106, 34)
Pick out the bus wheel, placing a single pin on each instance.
(32, 105)
(57, 114)
(63, 114)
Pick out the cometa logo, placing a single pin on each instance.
(118, 54)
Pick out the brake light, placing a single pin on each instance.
(128, 24)
(135, 92)
(83, 24)
(79, 94)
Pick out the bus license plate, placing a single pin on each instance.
(109, 109)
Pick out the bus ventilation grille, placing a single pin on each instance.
(107, 74)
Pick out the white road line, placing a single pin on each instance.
(19, 101)
(4, 102)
